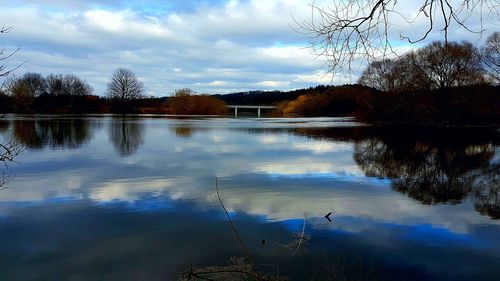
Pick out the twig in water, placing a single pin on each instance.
(229, 218)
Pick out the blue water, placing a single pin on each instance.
(134, 198)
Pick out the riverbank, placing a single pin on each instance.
(457, 106)
(449, 107)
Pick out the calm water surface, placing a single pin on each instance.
(113, 198)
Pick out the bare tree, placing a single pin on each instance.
(353, 30)
(410, 74)
(124, 86)
(491, 56)
(34, 82)
(55, 84)
(67, 85)
(26, 89)
(73, 85)
(379, 74)
(9, 148)
(437, 65)
(452, 64)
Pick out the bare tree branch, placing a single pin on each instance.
(358, 30)
(9, 149)
(4, 55)
(491, 57)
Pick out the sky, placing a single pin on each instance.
(210, 46)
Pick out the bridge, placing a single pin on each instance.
(258, 107)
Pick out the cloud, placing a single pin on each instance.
(247, 44)
(217, 47)
(274, 173)
(273, 84)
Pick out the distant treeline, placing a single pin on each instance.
(441, 84)
(269, 97)
(64, 94)
(460, 105)
(464, 105)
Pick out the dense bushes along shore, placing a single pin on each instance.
(466, 105)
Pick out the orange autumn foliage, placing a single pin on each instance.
(185, 102)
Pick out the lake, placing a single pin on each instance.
(135, 198)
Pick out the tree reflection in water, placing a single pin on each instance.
(433, 166)
(183, 131)
(424, 172)
(127, 135)
(54, 133)
(434, 173)
(4, 125)
(487, 191)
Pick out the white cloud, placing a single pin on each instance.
(126, 190)
(217, 83)
(273, 84)
(319, 78)
(322, 146)
(245, 44)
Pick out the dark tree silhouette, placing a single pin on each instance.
(73, 85)
(55, 84)
(34, 83)
(352, 30)
(451, 64)
(66, 85)
(26, 89)
(436, 66)
(491, 56)
(124, 86)
(379, 74)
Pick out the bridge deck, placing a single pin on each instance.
(252, 106)
(258, 107)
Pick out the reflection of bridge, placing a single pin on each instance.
(258, 107)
